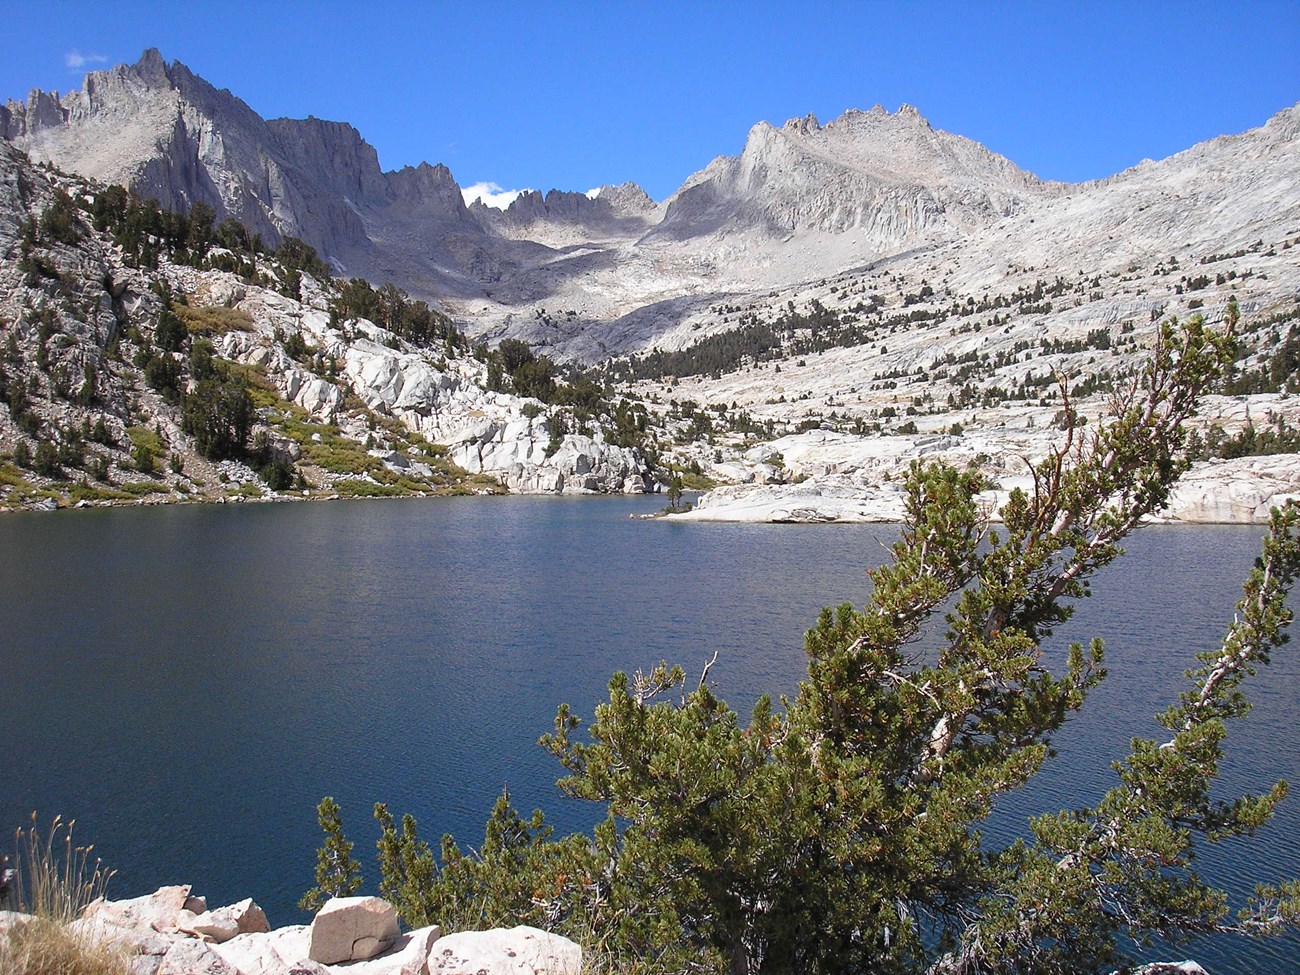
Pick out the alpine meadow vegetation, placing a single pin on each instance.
(838, 830)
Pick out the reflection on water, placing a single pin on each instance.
(189, 681)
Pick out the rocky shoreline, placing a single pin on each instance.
(173, 932)
(822, 476)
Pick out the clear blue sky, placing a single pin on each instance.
(573, 95)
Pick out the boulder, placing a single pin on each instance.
(13, 921)
(226, 922)
(269, 952)
(157, 911)
(320, 398)
(352, 929)
(190, 957)
(408, 956)
(505, 951)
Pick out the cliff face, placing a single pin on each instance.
(170, 135)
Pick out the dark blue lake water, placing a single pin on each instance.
(189, 681)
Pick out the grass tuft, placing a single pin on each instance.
(55, 878)
(45, 947)
(54, 881)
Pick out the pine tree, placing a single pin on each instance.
(839, 832)
(337, 874)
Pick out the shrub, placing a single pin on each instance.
(171, 332)
(213, 319)
(46, 460)
(61, 221)
(163, 373)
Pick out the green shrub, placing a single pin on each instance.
(146, 448)
(171, 332)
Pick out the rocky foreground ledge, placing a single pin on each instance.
(172, 932)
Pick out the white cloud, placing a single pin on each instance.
(75, 60)
(594, 192)
(491, 194)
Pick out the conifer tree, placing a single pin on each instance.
(337, 874)
(839, 831)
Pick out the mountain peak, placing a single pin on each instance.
(151, 68)
(803, 125)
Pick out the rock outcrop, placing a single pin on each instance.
(826, 477)
(227, 922)
(348, 936)
(444, 400)
(501, 951)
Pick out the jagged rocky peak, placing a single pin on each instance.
(620, 211)
(427, 186)
(627, 197)
(556, 205)
(101, 90)
(168, 134)
(892, 176)
(904, 147)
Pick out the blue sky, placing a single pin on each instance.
(572, 95)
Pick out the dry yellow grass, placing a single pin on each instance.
(55, 881)
(213, 319)
(47, 947)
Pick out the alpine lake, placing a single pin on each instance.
(188, 681)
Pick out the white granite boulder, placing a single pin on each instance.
(226, 922)
(269, 952)
(157, 911)
(408, 956)
(189, 956)
(505, 951)
(352, 929)
(13, 921)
